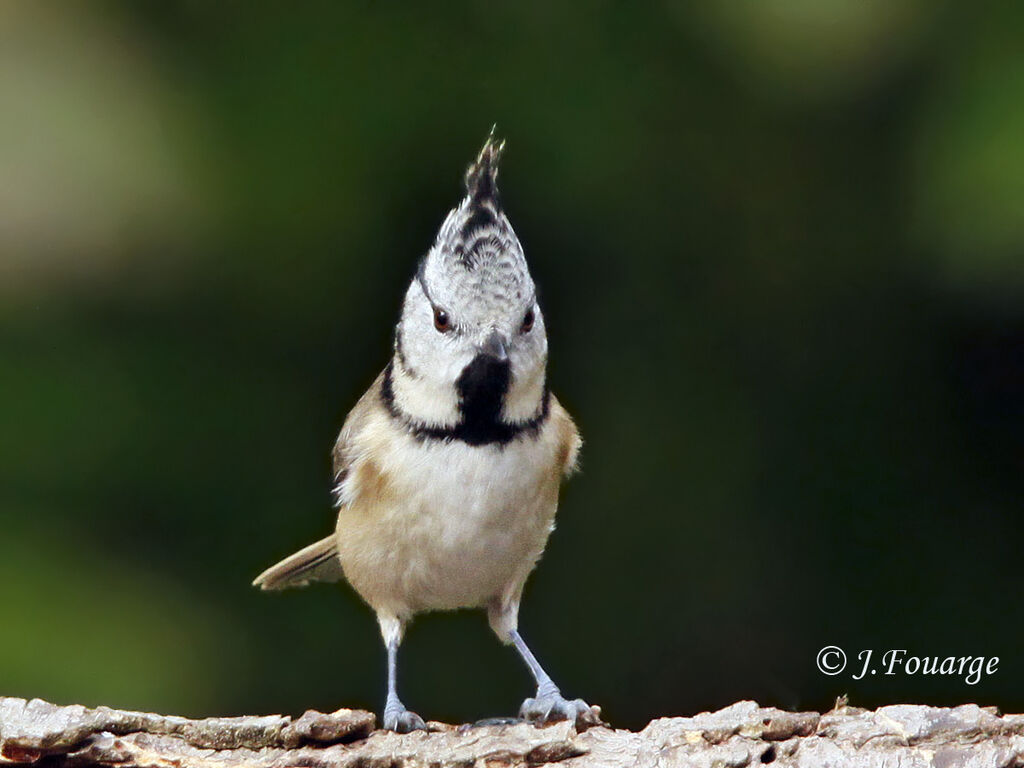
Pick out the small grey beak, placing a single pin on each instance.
(494, 346)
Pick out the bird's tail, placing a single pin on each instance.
(317, 562)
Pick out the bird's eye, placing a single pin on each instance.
(527, 321)
(442, 322)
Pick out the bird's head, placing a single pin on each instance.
(470, 347)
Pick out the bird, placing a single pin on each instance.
(448, 469)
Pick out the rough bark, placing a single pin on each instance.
(743, 734)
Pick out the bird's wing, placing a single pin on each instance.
(317, 562)
(350, 447)
(568, 438)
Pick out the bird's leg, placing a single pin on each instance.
(549, 705)
(396, 716)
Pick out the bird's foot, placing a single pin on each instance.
(550, 706)
(399, 719)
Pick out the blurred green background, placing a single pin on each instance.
(781, 247)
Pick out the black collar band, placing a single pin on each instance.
(493, 433)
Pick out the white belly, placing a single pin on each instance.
(449, 526)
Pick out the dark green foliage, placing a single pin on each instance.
(781, 262)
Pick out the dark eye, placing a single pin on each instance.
(527, 321)
(442, 322)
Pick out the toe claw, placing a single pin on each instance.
(403, 721)
(547, 709)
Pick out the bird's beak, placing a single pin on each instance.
(495, 346)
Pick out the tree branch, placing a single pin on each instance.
(744, 734)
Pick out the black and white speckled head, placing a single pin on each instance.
(470, 345)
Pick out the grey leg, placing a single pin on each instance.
(549, 705)
(396, 716)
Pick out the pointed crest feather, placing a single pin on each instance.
(482, 175)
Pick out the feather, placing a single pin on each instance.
(317, 562)
(482, 176)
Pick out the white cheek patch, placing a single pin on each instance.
(525, 397)
(425, 399)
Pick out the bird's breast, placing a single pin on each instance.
(444, 524)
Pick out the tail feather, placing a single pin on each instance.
(317, 562)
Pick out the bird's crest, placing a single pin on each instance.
(477, 230)
(482, 175)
